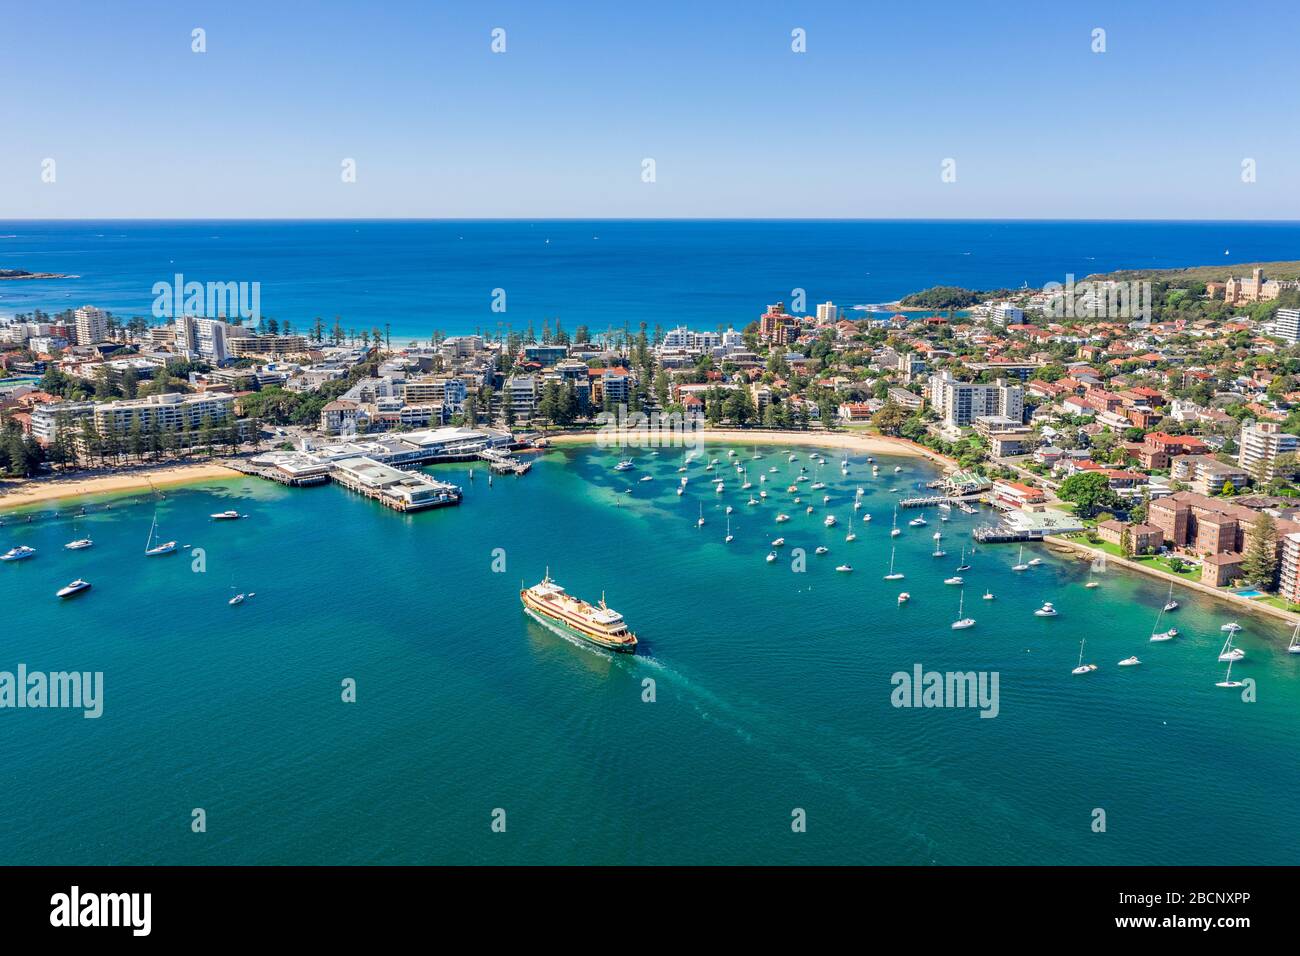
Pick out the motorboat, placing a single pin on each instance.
(1047, 610)
(1129, 662)
(76, 587)
(20, 553)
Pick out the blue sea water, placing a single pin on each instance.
(772, 688)
(418, 276)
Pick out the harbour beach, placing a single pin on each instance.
(859, 442)
(19, 494)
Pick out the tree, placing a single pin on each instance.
(1260, 563)
(890, 419)
(1090, 492)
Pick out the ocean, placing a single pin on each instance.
(419, 276)
(761, 696)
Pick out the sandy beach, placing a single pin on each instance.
(16, 494)
(855, 442)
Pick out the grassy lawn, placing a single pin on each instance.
(1279, 603)
(1161, 562)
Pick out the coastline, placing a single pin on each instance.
(32, 492)
(868, 444)
(1143, 568)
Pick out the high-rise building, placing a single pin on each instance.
(960, 403)
(91, 325)
(1286, 325)
(1261, 444)
(827, 313)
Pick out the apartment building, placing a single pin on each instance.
(170, 412)
(958, 404)
(1261, 443)
(90, 325)
(46, 420)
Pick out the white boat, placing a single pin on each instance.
(893, 575)
(822, 549)
(752, 500)
(844, 568)
(1129, 662)
(1092, 584)
(866, 517)
(962, 622)
(684, 479)
(1230, 653)
(829, 522)
(826, 499)
(1162, 636)
(818, 485)
(782, 518)
(895, 532)
(1020, 561)
(719, 488)
(679, 491)
(647, 478)
(1083, 668)
(850, 537)
(918, 522)
(897, 469)
(152, 550)
(624, 465)
(79, 544)
(904, 597)
(771, 556)
(808, 510)
(937, 535)
(963, 566)
(237, 599)
(19, 553)
(939, 553)
(700, 522)
(226, 516)
(1047, 610)
(778, 542)
(792, 457)
(1228, 681)
(76, 587)
(988, 595)
(1294, 646)
(1231, 626)
(955, 579)
(762, 494)
(1034, 562)
(730, 509)
(1170, 603)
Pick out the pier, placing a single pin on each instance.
(392, 487)
(930, 501)
(504, 464)
(302, 480)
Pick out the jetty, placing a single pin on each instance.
(290, 478)
(393, 487)
(930, 501)
(504, 464)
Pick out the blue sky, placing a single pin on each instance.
(738, 125)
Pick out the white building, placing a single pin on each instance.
(91, 325)
(1286, 325)
(1260, 446)
(684, 338)
(207, 338)
(827, 313)
(958, 404)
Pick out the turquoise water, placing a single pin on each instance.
(421, 275)
(772, 688)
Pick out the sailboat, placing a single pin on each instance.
(893, 575)
(1230, 653)
(152, 550)
(1228, 681)
(962, 622)
(1171, 604)
(1294, 646)
(729, 534)
(963, 566)
(1159, 635)
(700, 523)
(1020, 561)
(1083, 668)
(894, 533)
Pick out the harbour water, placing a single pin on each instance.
(418, 276)
(772, 689)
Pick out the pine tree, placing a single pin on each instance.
(1260, 563)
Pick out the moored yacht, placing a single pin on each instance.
(1129, 662)
(79, 544)
(1083, 668)
(231, 515)
(1047, 610)
(18, 554)
(76, 587)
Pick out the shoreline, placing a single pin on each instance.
(38, 491)
(869, 444)
(1248, 604)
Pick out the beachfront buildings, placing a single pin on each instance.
(207, 338)
(959, 403)
(1260, 445)
(90, 325)
(1289, 574)
(172, 411)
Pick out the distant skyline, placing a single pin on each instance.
(1162, 125)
